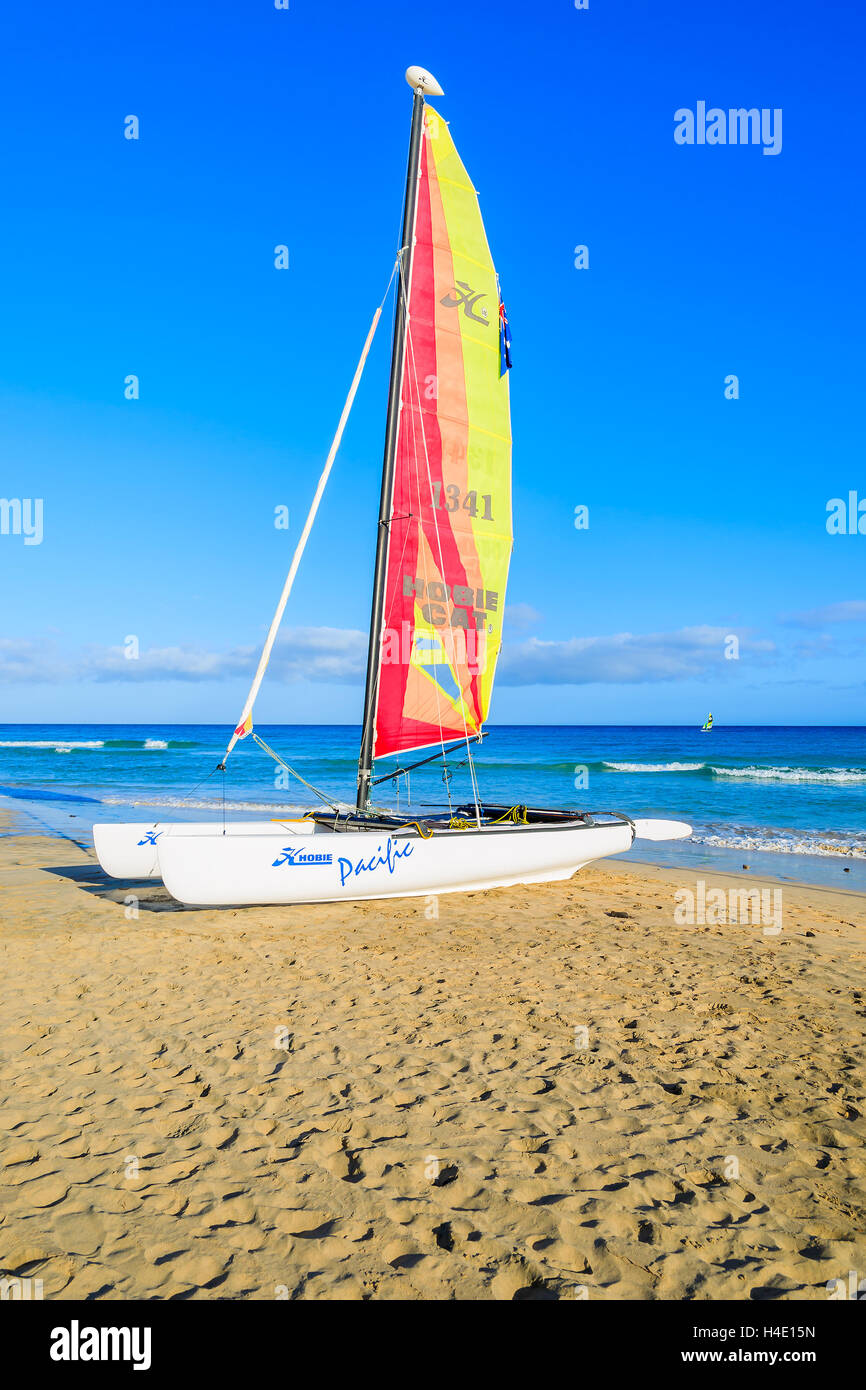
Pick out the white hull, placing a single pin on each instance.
(130, 850)
(209, 870)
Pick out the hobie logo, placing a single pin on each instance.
(75, 1343)
(463, 294)
(150, 837)
(291, 854)
(738, 126)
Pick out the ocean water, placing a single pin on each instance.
(787, 802)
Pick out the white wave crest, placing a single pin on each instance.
(61, 745)
(181, 804)
(155, 743)
(830, 775)
(655, 767)
(797, 842)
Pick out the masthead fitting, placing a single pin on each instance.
(420, 80)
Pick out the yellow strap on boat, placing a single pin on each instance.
(517, 814)
(424, 830)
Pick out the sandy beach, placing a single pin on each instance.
(551, 1092)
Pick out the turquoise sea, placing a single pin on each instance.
(787, 802)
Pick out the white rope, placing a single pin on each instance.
(334, 805)
(246, 717)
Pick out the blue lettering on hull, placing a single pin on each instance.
(292, 854)
(386, 859)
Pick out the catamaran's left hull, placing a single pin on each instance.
(243, 870)
(129, 849)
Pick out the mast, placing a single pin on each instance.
(422, 83)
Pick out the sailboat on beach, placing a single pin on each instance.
(443, 549)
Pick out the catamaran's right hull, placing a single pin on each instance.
(242, 870)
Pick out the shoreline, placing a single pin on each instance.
(665, 873)
(30, 816)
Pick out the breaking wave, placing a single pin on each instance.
(825, 843)
(832, 776)
(69, 745)
(274, 809)
(655, 767)
(54, 743)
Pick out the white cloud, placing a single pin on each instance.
(313, 654)
(850, 611)
(320, 654)
(165, 663)
(520, 616)
(625, 658)
(338, 655)
(22, 660)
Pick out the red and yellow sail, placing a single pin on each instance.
(450, 530)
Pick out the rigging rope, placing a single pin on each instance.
(186, 796)
(329, 801)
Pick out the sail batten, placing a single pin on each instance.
(449, 527)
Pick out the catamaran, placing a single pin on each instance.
(705, 728)
(443, 548)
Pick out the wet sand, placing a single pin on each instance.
(549, 1092)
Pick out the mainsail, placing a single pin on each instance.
(449, 529)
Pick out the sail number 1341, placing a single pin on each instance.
(452, 503)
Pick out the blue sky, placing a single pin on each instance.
(260, 127)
